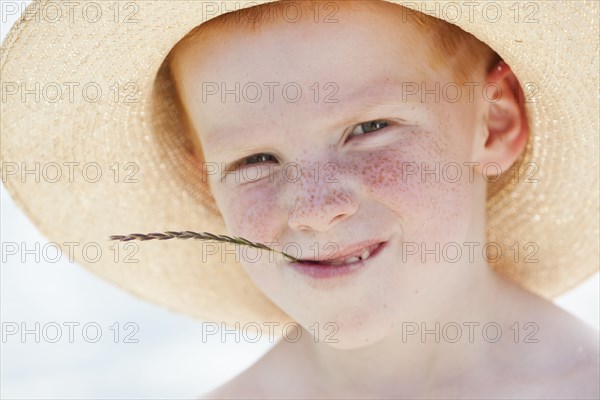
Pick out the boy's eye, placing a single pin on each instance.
(367, 127)
(257, 158)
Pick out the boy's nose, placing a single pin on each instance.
(322, 208)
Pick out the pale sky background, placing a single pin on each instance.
(170, 359)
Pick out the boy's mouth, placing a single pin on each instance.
(352, 255)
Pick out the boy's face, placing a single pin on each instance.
(325, 178)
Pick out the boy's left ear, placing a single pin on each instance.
(506, 121)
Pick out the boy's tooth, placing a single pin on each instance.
(365, 254)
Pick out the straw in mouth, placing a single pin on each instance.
(199, 236)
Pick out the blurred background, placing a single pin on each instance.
(157, 355)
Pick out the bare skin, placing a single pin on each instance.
(563, 364)
(555, 355)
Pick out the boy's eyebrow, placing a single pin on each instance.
(372, 88)
(227, 152)
(390, 86)
(374, 109)
(371, 102)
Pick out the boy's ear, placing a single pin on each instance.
(506, 129)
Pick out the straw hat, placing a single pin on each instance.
(120, 123)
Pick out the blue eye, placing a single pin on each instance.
(370, 126)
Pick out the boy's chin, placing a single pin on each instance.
(351, 339)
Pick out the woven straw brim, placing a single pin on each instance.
(559, 213)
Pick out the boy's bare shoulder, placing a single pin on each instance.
(580, 378)
(564, 364)
(234, 389)
(272, 376)
(580, 382)
(248, 384)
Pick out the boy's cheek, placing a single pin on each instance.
(251, 213)
(427, 187)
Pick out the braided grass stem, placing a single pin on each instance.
(198, 236)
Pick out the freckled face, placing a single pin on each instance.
(331, 153)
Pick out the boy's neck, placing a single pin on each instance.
(412, 364)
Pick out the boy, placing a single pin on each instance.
(373, 207)
(386, 150)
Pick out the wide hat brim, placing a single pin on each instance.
(150, 183)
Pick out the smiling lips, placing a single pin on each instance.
(354, 259)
